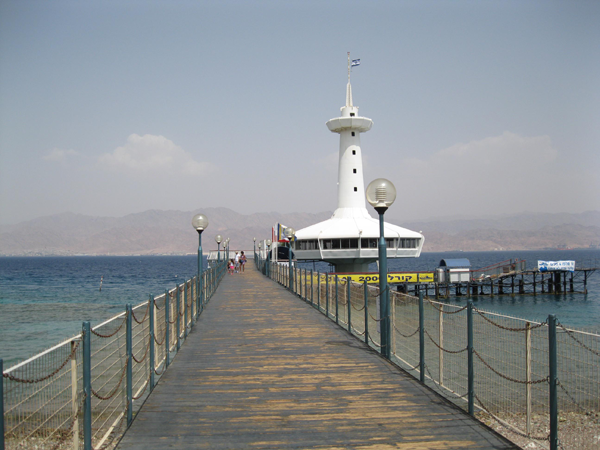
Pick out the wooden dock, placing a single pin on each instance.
(263, 369)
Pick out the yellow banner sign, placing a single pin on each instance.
(393, 277)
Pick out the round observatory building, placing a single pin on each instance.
(349, 239)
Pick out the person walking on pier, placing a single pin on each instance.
(242, 261)
(237, 262)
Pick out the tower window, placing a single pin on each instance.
(354, 152)
(353, 170)
(351, 114)
(355, 189)
(353, 133)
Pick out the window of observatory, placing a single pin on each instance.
(353, 170)
(368, 243)
(331, 244)
(354, 152)
(353, 133)
(409, 243)
(349, 243)
(310, 244)
(351, 114)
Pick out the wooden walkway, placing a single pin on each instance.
(263, 369)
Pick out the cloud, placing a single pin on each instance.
(505, 149)
(149, 153)
(495, 175)
(493, 162)
(57, 154)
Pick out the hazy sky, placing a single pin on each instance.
(479, 107)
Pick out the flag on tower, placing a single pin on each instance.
(355, 62)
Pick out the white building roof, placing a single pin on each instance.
(353, 223)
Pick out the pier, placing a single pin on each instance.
(504, 278)
(264, 370)
(284, 357)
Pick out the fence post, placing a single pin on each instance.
(178, 320)
(392, 321)
(552, 381)
(421, 338)
(129, 344)
(291, 273)
(528, 376)
(74, 392)
(193, 303)
(349, 305)
(327, 294)
(87, 387)
(152, 342)
(1, 406)
(337, 297)
(319, 291)
(199, 307)
(471, 374)
(366, 296)
(185, 311)
(202, 287)
(193, 310)
(441, 341)
(311, 287)
(167, 320)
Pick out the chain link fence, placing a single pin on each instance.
(83, 392)
(498, 368)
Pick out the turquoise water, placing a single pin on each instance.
(45, 300)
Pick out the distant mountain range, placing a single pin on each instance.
(527, 231)
(171, 232)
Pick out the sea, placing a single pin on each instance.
(44, 300)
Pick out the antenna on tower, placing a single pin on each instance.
(348, 67)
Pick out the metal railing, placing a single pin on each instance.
(531, 381)
(84, 392)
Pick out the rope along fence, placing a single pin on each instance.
(84, 392)
(531, 381)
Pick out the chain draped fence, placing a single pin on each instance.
(84, 392)
(533, 382)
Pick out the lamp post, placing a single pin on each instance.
(200, 223)
(259, 255)
(255, 247)
(267, 258)
(381, 194)
(289, 233)
(218, 239)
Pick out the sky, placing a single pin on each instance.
(480, 108)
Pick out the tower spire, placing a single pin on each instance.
(348, 86)
(348, 67)
(349, 96)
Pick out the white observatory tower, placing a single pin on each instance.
(349, 239)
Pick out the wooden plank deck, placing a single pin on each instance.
(263, 369)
